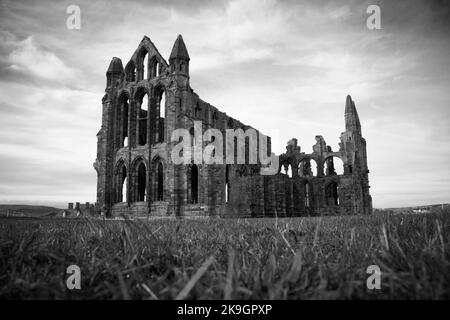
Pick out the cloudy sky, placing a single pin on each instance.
(284, 67)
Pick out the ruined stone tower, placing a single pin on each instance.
(150, 98)
(315, 186)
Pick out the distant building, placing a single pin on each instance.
(86, 209)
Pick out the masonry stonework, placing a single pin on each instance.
(150, 98)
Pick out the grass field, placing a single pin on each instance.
(302, 258)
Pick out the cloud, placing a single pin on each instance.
(28, 58)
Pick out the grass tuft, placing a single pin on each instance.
(282, 258)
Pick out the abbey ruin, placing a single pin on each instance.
(150, 98)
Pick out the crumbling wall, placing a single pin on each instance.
(172, 190)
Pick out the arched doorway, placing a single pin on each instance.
(130, 71)
(141, 182)
(142, 119)
(122, 121)
(142, 64)
(160, 99)
(154, 67)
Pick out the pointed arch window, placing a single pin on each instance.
(160, 182)
(161, 103)
(122, 121)
(143, 64)
(307, 168)
(130, 71)
(143, 115)
(141, 182)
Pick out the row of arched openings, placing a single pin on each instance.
(143, 118)
(305, 169)
(138, 184)
(331, 194)
(146, 67)
(309, 167)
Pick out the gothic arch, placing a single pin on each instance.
(160, 98)
(308, 167)
(142, 62)
(130, 71)
(333, 167)
(140, 91)
(138, 185)
(124, 92)
(120, 182)
(141, 97)
(158, 177)
(122, 116)
(137, 160)
(155, 67)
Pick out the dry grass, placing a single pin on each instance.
(308, 258)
